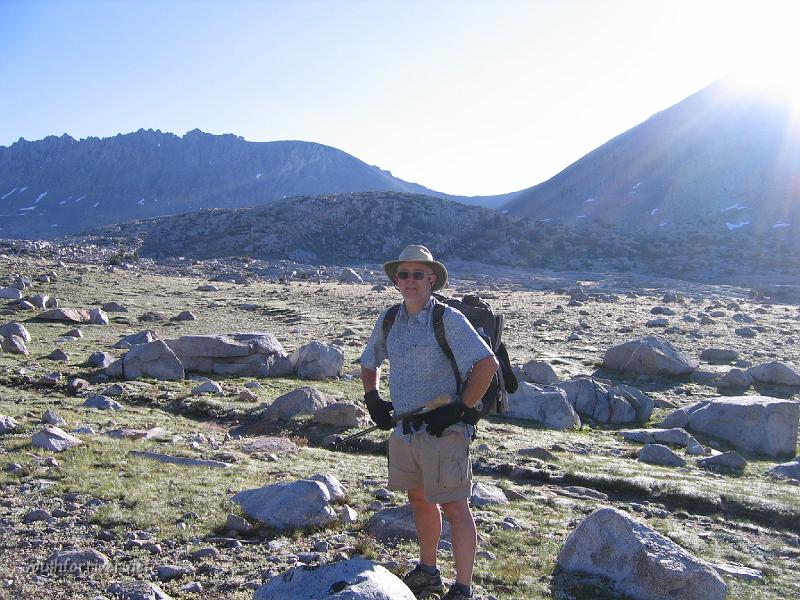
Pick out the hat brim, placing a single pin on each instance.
(390, 268)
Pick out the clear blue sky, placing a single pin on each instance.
(466, 97)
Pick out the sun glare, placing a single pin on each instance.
(767, 58)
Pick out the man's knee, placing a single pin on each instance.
(457, 512)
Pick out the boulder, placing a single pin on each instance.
(55, 439)
(7, 424)
(484, 494)
(789, 469)
(335, 488)
(14, 345)
(253, 354)
(649, 355)
(727, 461)
(154, 360)
(100, 359)
(185, 315)
(735, 379)
(114, 306)
(547, 405)
(136, 339)
(68, 562)
(207, 387)
(58, 355)
(397, 524)
(10, 293)
(102, 403)
(596, 401)
(355, 579)
(657, 454)
(98, 317)
(539, 371)
(341, 414)
(719, 356)
(301, 401)
(270, 445)
(350, 276)
(639, 561)
(289, 505)
(756, 424)
(137, 590)
(17, 329)
(775, 373)
(69, 315)
(317, 360)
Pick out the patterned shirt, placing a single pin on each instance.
(420, 371)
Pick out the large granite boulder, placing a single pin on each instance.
(54, 439)
(539, 371)
(289, 505)
(254, 354)
(318, 360)
(353, 579)
(68, 315)
(154, 360)
(17, 329)
(304, 400)
(136, 339)
(7, 424)
(775, 373)
(341, 414)
(789, 469)
(396, 524)
(603, 404)
(544, 404)
(640, 562)
(649, 355)
(756, 424)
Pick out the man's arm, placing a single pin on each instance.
(479, 379)
(370, 378)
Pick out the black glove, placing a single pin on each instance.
(441, 418)
(379, 410)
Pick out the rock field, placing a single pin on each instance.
(172, 429)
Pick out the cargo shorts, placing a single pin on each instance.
(441, 466)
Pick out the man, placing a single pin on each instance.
(429, 451)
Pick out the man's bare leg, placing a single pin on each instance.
(428, 521)
(464, 537)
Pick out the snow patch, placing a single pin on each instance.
(732, 226)
(96, 204)
(636, 186)
(662, 224)
(54, 225)
(141, 202)
(736, 206)
(654, 211)
(39, 197)
(28, 208)
(581, 217)
(81, 198)
(23, 189)
(590, 199)
(781, 224)
(8, 194)
(258, 175)
(62, 202)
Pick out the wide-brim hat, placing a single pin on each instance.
(420, 254)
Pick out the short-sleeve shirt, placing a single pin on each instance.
(420, 371)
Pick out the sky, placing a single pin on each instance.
(467, 97)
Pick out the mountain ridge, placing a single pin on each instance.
(60, 185)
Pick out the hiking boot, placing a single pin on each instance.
(456, 594)
(419, 582)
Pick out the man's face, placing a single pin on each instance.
(410, 286)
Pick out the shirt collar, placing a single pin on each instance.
(422, 316)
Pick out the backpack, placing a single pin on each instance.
(489, 326)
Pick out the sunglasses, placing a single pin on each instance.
(418, 275)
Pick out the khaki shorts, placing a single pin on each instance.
(441, 466)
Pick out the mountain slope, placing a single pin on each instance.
(724, 158)
(59, 185)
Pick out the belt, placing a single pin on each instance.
(412, 423)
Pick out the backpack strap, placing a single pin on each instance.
(441, 338)
(388, 320)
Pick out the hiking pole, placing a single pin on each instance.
(435, 403)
